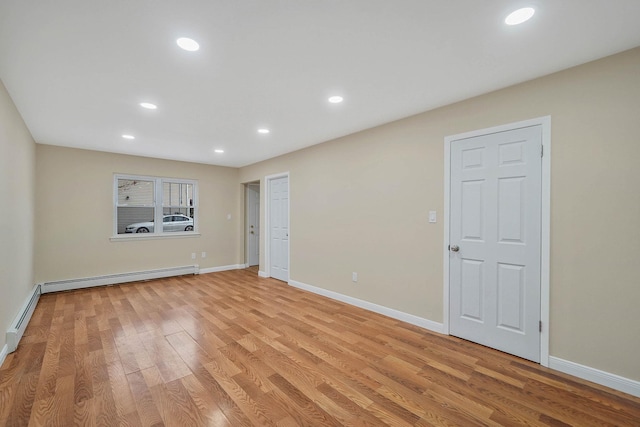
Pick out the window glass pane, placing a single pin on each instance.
(177, 194)
(177, 199)
(133, 192)
(176, 223)
(133, 219)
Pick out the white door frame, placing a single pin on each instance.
(267, 221)
(247, 244)
(545, 122)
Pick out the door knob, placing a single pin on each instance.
(454, 248)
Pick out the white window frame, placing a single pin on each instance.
(157, 233)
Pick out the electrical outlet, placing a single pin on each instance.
(204, 254)
(354, 276)
(193, 255)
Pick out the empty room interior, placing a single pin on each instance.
(320, 213)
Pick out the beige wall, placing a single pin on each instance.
(74, 220)
(17, 189)
(360, 203)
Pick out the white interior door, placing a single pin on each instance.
(253, 224)
(495, 240)
(279, 228)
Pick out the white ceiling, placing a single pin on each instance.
(77, 69)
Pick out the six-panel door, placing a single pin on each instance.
(279, 228)
(495, 220)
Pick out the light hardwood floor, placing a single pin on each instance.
(233, 349)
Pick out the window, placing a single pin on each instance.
(141, 202)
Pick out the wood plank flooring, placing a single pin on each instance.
(233, 349)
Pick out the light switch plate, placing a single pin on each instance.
(432, 216)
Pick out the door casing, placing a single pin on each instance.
(545, 123)
(249, 211)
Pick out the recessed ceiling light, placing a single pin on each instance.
(188, 44)
(519, 16)
(336, 99)
(125, 136)
(148, 105)
(219, 151)
(263, 131)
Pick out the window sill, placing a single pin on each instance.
(152, 236)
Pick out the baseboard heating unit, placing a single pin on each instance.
(22, 319)
(113, 279)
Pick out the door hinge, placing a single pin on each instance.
(540, 326)
(541, 150)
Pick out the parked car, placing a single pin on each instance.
(169, 223)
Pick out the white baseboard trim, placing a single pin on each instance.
(222, 268)
(112, 279)
(262, 274)
(19, 324)
(597, 376)
(390, 312)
